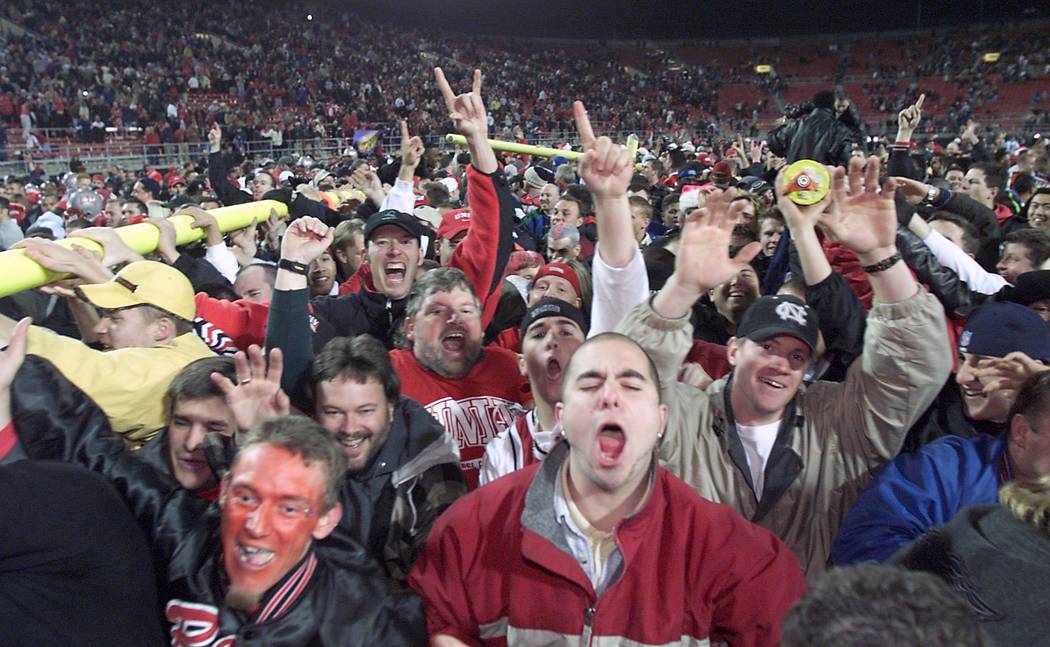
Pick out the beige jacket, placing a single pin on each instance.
(838, 432)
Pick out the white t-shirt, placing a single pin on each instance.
(758, 443)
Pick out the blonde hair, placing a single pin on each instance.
(1029, 501)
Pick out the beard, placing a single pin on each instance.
(242, 600)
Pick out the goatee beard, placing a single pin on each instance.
(242, 600)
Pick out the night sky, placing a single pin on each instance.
(627, 19)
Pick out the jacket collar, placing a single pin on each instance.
(784, 464)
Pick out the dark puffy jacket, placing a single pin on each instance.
(818, 136)
(338, 597)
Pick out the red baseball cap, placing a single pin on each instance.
(562, 271)
(453, 223)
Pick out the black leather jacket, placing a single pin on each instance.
(345, 601)
(818, 136)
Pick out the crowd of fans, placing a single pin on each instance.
(172, 71)
(471, 397)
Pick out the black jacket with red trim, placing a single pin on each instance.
(335, 596)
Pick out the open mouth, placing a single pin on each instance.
(611, 442)
(553, 370)
(973, 393)
(773, 384)
(353, 441)
(454, 341)
(395, 272)
(254, 557)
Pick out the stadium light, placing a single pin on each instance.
(309, 16)
(763, 69)
(991, 57)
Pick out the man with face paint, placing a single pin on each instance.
(551, 332)
(564, 550)
(926, 488)
(264, 564)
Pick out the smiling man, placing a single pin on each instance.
(265, 563)
(792, 458)
(564, 551)
(920, 490)
(402, 468)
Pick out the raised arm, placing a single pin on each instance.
(484, 253)
(620, 280)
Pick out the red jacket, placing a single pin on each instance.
(496, 570)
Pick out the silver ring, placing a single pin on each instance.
(246, 380)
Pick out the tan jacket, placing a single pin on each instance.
(838, 432)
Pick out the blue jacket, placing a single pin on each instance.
(918, 491)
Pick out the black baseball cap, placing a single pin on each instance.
(775, 315)
(394, 217)
(550, 307)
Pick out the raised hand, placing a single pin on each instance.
(166, 240)
(306, 239)
(1007, 373)
(908, 119)
(365, 179)
(914, 191)
(203, 220)
(606, 167)
(799, 217)
(866, 219)
(244, 243)
(467, 111)
(703, 260)
(257, 395)
(411, 149)
(114, 250)
(11, 359)
(78, 261)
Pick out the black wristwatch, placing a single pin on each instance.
(292, 266)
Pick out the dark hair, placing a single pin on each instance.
(437, 193)
(641, 203)
(150, 185)
(824, 99)
(356, 358)
(994, 176)
(971, 241)
(193, 382)
(1033, 398)
(142, 205)
(605, 336)
(871, 605)
(1036, 241)
(1040, 191)
(581, 195)
(304, 438)
(1023, 183)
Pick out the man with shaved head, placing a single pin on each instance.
(599, 518)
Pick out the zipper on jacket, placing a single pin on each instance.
(390, 312)
(588, 620)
